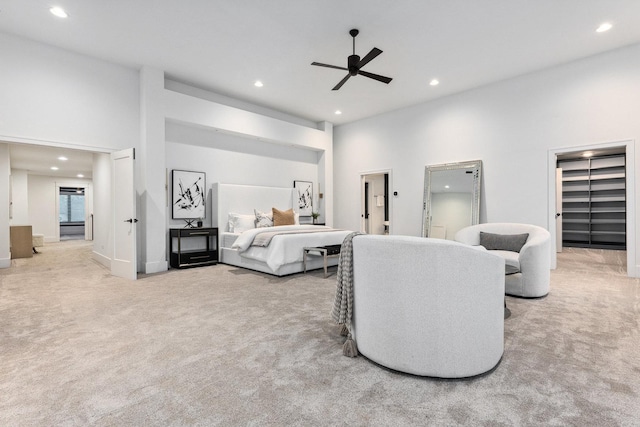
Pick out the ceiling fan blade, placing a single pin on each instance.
(377, 77)
(329, 66)
(369, 56)
(343, 81)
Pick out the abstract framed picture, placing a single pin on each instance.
(304, 191)
(188, 194)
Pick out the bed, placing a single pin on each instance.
(234, 209)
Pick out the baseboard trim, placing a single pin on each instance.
(5, 262)
(156, 267)
(102, 259)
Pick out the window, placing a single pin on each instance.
(71, 205)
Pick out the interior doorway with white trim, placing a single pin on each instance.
(375, 203)
(611, 192)
(71, 213)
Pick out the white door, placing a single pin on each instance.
(559, 210)
(124, 262)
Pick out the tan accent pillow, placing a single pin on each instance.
(283, 217)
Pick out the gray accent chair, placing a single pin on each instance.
(427, 307)
(528, 271)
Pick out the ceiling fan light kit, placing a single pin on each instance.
(354, 64)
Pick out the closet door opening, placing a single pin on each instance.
(594, 199)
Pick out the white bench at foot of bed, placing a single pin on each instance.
(232, 257)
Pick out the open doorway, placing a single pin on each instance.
(62, 192)
(34, 194)
(71, 213)
(579, 215)
(593, 203)
(375, 203)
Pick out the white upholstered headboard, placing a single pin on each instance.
(243, 199)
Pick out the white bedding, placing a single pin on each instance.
(227, 239)
(287, 248)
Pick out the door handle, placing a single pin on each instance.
(131, 220)
(558, 214)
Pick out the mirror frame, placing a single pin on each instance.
(476, 166)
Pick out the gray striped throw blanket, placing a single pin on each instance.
(263, 239)
(343, 303)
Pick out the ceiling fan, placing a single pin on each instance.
(355, 64)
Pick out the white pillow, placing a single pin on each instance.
(263, 219)
(296, 218)
(239, 222)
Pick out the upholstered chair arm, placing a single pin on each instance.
(535, 260)
(468, 236)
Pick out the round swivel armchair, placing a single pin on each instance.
(528, 269)
(428, 307)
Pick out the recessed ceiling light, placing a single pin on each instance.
(58, 11)
(446, 186)
(605, 26)
(80, 175)
(54, 168)
(434, 82)
(62, 158)
(258, 83)
(338, 112)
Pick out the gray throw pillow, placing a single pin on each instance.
(503, 242)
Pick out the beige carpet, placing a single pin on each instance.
(224, 346)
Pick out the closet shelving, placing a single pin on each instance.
(594, 202)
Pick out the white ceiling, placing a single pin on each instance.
(225, 46)
(38, 160)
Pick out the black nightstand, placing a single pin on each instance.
(194, 247)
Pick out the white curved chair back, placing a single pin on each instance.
(427, 306)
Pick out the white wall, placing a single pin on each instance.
(277, 137)
(232, 159)
(102, 210)
(238, 146)
(42, 199)
(19, 199)
(150, 171)
(510, 126)
(54, 96)
(5, 170)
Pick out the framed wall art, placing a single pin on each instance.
(304, 191)
(188, 195)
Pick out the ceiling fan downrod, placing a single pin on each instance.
(354, 59)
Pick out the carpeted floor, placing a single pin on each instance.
(223, 346)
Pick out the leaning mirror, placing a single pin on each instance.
(451, 198)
